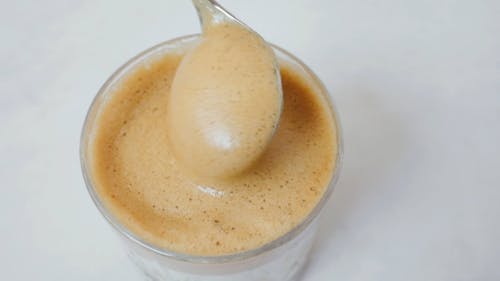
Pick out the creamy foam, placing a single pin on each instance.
(225, 102)
(137, 176)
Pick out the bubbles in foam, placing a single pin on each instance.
(139, 180)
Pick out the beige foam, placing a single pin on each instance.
(225, 102)
(138, 179)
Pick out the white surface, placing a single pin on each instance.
(417, 84)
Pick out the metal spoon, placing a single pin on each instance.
(222, 121)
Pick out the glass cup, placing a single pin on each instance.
(279, 260)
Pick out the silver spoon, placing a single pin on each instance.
(226, 97)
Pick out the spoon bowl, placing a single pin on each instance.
(226, 97)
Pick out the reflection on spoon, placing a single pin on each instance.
(210, 191)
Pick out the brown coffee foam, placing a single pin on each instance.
(137, 178)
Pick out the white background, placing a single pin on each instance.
(417, 84)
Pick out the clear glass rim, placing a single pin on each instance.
(294, 232)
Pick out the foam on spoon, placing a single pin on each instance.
(225, 101)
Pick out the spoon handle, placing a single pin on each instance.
(211, 13)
